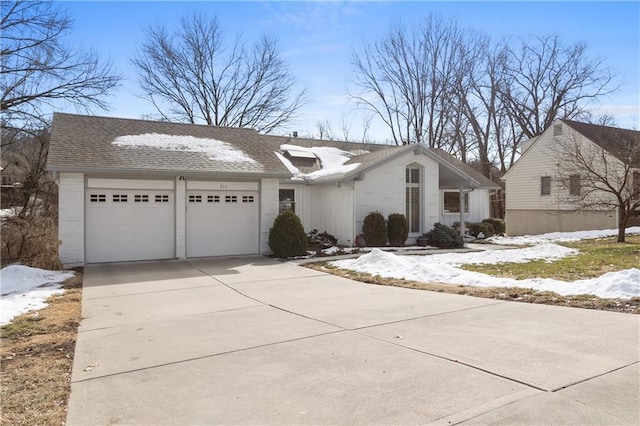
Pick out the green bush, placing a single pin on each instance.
(374, 230)
(442, 236)
(481, 227)
(398, 229)
(287, 237)
(499, 225)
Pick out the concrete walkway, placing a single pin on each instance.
(254, 341)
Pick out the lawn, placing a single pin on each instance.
(596, 257)
(37, 351)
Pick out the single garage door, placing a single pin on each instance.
(221, 223)
(128, 224)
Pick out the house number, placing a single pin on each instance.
(223, 186)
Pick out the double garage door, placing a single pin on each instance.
(140, 224)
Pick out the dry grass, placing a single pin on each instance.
(36, 360)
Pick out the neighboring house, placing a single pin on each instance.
(141, 190)
(538, 193)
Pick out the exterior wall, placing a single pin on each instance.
(523, 179)
(268, 211)
(181, 218)
(71, 219)
(533, 222)
(326, 207)
(479, 208)
(529, 212)
(383, 190)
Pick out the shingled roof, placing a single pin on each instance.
(89, 143)
(621, 143)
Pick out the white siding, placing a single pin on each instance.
(181, 218)
(383, 190)
(268, 211)
(479, 208)
(326, 207)
(71, 219)
(523, 179)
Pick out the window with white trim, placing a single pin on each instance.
(286, 200)
(98, 198)
(119, 198)
(195, 198)
(141, 198)
(230, 198)
(452, 202)
(545, 185)
(162, 198)
(412, 197)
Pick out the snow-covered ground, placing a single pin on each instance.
(444, 267)
(559, 237)
(24, 289)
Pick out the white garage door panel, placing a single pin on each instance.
(140, 228)
(222, 223)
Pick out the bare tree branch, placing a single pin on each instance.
(193, 76)
(39, 71)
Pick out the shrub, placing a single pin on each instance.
(480, 227)
(321, 240)
(442, 236)
(398, 229)
(31, 240)
(374, 230)
(287, 237)
(499, 225)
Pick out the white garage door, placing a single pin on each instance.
(127, 224)
(222, 223)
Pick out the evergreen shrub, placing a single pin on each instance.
(287, 237)
(442, 236)
(374, 230)
(398, 229)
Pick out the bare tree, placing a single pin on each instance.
(601, 175)
(40, 71)
(550, 80)
(193, 76)
(405, 79)
(324, 129)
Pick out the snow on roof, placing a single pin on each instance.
(331, 161)
(215, 149)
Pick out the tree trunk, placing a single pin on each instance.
(622, 224)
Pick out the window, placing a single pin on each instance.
(195, 198)
(412, 197)
(231, 199)
(557, 130)
(452, 202)
(98, 198)
(140, 198)
(545, 185)
(287, 200)
(247, 198)
(213, 198)
(574, 185)
(162, 198)
(119, 198)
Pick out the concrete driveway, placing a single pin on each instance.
(254, 341)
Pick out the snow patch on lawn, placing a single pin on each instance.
(24, 289)
(215, 149)
(559, 236)
(621, 284)
(444, 267)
